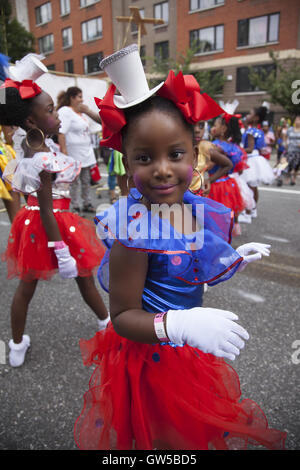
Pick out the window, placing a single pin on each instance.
(68, 66)
(67, 39)
(161, 50)
(203, 4)
(134, 27)
(260, 30)
(51, 67)
(46, 44)
(91, 29)
(43, 13)
(243, 83)
(91, 63)
(207, 39)
(161, 11)
(87, 3)
(65, 7)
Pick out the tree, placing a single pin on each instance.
(280, 84)
(16, 41)
(210, 81)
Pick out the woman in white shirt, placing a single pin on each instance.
(74, 140)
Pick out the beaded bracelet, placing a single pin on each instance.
(160, 327)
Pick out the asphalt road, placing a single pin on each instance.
(41, 400)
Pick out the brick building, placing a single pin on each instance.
(72, 34)
(233, 35)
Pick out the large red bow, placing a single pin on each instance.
(228, 116)
(27, 88)
(183, 90)
(113, 119)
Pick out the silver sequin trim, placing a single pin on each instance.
(36, 208)
(117, 55)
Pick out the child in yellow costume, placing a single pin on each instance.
(10, 199)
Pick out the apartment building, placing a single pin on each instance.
(73, 34)
(233, 35)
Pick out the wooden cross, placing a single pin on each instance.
(136, 18)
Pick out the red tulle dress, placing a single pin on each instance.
(27, 254)
(166, 396)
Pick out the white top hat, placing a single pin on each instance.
(28, 68)
(125, 70)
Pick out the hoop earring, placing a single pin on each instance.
(29, 135)
(201, 181)
(128, 190)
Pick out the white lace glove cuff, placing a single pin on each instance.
(66, 263)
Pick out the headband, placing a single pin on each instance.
(27, 88)
(183, 90)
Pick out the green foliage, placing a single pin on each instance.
(15, 40)
(279, 84)
(210, 81)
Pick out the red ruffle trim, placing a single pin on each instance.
(147, 397)
(227, 193)
(27, 254)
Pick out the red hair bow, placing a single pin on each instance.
(27, 88)
(228, 116)
(185, 93)
(183, 90)
(113, 119)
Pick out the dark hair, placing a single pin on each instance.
(14, 109)
(64, 97)
(261, 113)
(233, 129)
(154, 103)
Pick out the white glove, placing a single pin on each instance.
(211, 330)
(66, 263)
(258, 249)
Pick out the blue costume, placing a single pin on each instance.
(259, 138)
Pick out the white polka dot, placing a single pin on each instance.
(72, 229)
(27, 222)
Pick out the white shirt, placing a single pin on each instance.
(75, 127)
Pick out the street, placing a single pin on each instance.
(41, 400)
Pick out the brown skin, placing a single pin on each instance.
(158, 152)
(45, 117)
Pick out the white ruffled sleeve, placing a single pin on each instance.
(24, 176)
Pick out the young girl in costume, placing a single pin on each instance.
(45, 236)
(160, 380)
(208, 156)
(227, 136)
(259, 170)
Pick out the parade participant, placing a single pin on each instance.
(269, 140)
(160, 380)
(45, 237)
(293, 150)
(10, 199)
(75, 140)
(208, 156)
(226, 190)
(259, 170)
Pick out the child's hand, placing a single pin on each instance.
(258, 249)
(208, 329)
(66, 263)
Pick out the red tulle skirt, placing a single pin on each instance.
(226, 191)
(27, 254)
(148, 397)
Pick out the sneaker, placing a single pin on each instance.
(18, 351)
(244, 218)
(102, 324)
(253, 213)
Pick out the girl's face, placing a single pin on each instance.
(219, 129)
(251, 118)
(199, 129)
(44, 115)
(297, 121)
(160, 157)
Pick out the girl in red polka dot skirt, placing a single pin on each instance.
(45, 238)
